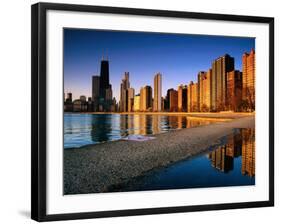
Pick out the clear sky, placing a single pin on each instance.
(178, 57)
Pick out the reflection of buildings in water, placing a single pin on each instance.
(142, 122)
(172, 122)
(180, 122)
(124, 125)
(233, 145)
(248, 152)
(243, 143)
(192, 123)
(101, 128)
(148, 125)
(137, 127)
(221, 160)
(68, 124)
(156, 124)
(131, 125)
(223, 157)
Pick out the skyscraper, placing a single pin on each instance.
(130, 100)
(220, 67)
(95, 88)
(202, 75)
(234, 90)
(157, 92)
(146, 98)
(173, 100)
(249, 69)
(204, 90)
(137, 103)
(108, 93)
(104, 78)
(192, 97)
(83, 98)
(182, 98)
(125, 84)
(69, 98)
(101, 89)
(167, 100)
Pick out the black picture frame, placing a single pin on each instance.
(39, 122)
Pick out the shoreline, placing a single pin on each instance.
(95, 168)
(203, 114)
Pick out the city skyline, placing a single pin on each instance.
(179, 65)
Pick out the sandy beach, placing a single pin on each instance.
(96, 168)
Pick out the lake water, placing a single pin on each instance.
(232, 163)
(84, 129)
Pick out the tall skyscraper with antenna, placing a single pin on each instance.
(101, 89)
(104, 78)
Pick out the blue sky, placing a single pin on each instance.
(178, 57)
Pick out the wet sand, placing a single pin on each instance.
(97, 168)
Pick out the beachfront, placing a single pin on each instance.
(96, 168)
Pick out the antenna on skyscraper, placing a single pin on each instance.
(106, 54)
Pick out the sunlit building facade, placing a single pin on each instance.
(234, 90)
(125, 84)
(137, 103)
(192, 97)
(173, 100)
(248, 70)
(204, 90)
(157, 92)
(182, 98)
(146, 98)
(130, 100)
(220, 67)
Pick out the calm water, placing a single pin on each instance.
(84, 129)
(232, 163)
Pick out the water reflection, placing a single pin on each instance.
(82, 129)
(248, 152)
(242, 143)
(101, 128)
(232, 163)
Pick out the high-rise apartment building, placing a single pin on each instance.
(234, 90)
(137, 103)
(130, 100)
(182, 98)
(146, 98)
(192, 97)
(69, 98)
(95, 87)
(173, 100)
(157, 92)
(125, 84)
(248, 70)
(204, 90)
(167, 100)
(220, 67)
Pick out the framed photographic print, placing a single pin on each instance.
(138, 111)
